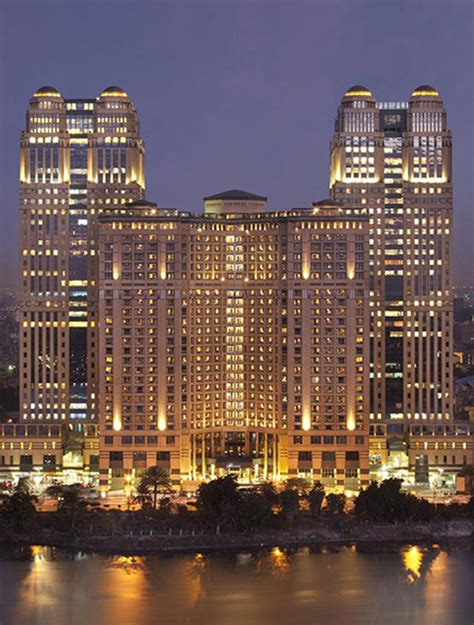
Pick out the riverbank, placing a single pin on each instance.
(320, 534)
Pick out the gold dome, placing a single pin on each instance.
(425, 91)
(114, 92)
(46, 92)
(358, 91)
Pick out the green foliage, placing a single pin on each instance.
(335, 503)
(18, 512)
(255, 511)
(469, 507)
(218, 501)
(71, 507)
(155, 480)
(385, 502)
(289, 503)
(68, 495)
(316, 497)
(142, 495)
(269, 493)
(165, 505)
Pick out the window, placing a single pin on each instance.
(352, 455)
(305, 455)
(329, 456)
(327, 473)
(163, 455)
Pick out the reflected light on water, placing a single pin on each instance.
(197, 565)
(126, 580)
(37, 553)
(412, 560)
(129, 564)
(279, 586)
(279, 561)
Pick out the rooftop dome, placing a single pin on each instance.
(46, 92)
(424, 91)
(114, 92)
(358, 91)
(236, 194)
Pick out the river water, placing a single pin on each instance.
(344, 586)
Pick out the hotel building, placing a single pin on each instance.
(392, 161)
(233, 341)
(263, 344)
(76, 156)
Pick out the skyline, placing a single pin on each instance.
(247, 131)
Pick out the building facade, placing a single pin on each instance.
(263, 344)
(76, 157)
(392, 162)
(235, 341)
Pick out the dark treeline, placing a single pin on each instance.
(220, 506)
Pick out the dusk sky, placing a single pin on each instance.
(237, 94)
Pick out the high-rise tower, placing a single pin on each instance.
(77, 156)
(392, 161)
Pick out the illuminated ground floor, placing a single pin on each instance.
(342, 461)
(251, 455)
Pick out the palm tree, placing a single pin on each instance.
(155, 479)
(142, 495)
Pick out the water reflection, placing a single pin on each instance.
(412, 559)
(418, 562)
(411, 586)
(280, 562)
(129, 564)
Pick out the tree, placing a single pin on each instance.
(289, 503)
(386, 502)
(335, 503)
(268, 491)
(155, 479)
(316, 497)
(142, 495)
(71, 506)
(18, 510)
(254, 511)
(68, 495)
(218, 500)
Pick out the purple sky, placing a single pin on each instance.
(237, 94)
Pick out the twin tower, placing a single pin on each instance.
(260, 343)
